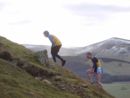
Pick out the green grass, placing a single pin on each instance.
(79, 64)
(17, 83)
(119, 90)
(17, 50)
(117, 68)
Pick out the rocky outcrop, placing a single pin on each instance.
(42, 57)
(6, 56)
(35, 70)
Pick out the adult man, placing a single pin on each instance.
(56, 45)
(96, 69)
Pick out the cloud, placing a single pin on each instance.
(95, 12)
(2, 5)
(20, 22)
(94, 7)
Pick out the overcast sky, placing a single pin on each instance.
(75, 22)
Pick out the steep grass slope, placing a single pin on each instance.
(16, 83)
(30, 79)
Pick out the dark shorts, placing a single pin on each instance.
(55, 50)
(95, 70)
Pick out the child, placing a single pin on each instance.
(96, 68)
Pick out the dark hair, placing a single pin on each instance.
(46, 32)
(88, 53)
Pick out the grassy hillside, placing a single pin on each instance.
(117, 68)
(119, 90)
(30, 79)
(16, 50)
(16, 83)
(114, 70)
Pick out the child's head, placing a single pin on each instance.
(46, 33)
(89, 55)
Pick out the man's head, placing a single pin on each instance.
(89, 55)
(46, 33)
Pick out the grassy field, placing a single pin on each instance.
(117, 68)
(119, 90)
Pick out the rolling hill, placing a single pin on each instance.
(115, 48)
(22, 76)
(115, 56)
(63, 51)
(114, 52)
(119, 89)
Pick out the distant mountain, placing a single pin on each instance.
(114, 52)
(115, 48)
(63, 51)
(115, 55)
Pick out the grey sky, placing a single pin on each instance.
(94, 11)
(75, 22)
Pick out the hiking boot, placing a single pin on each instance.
(63, 63)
